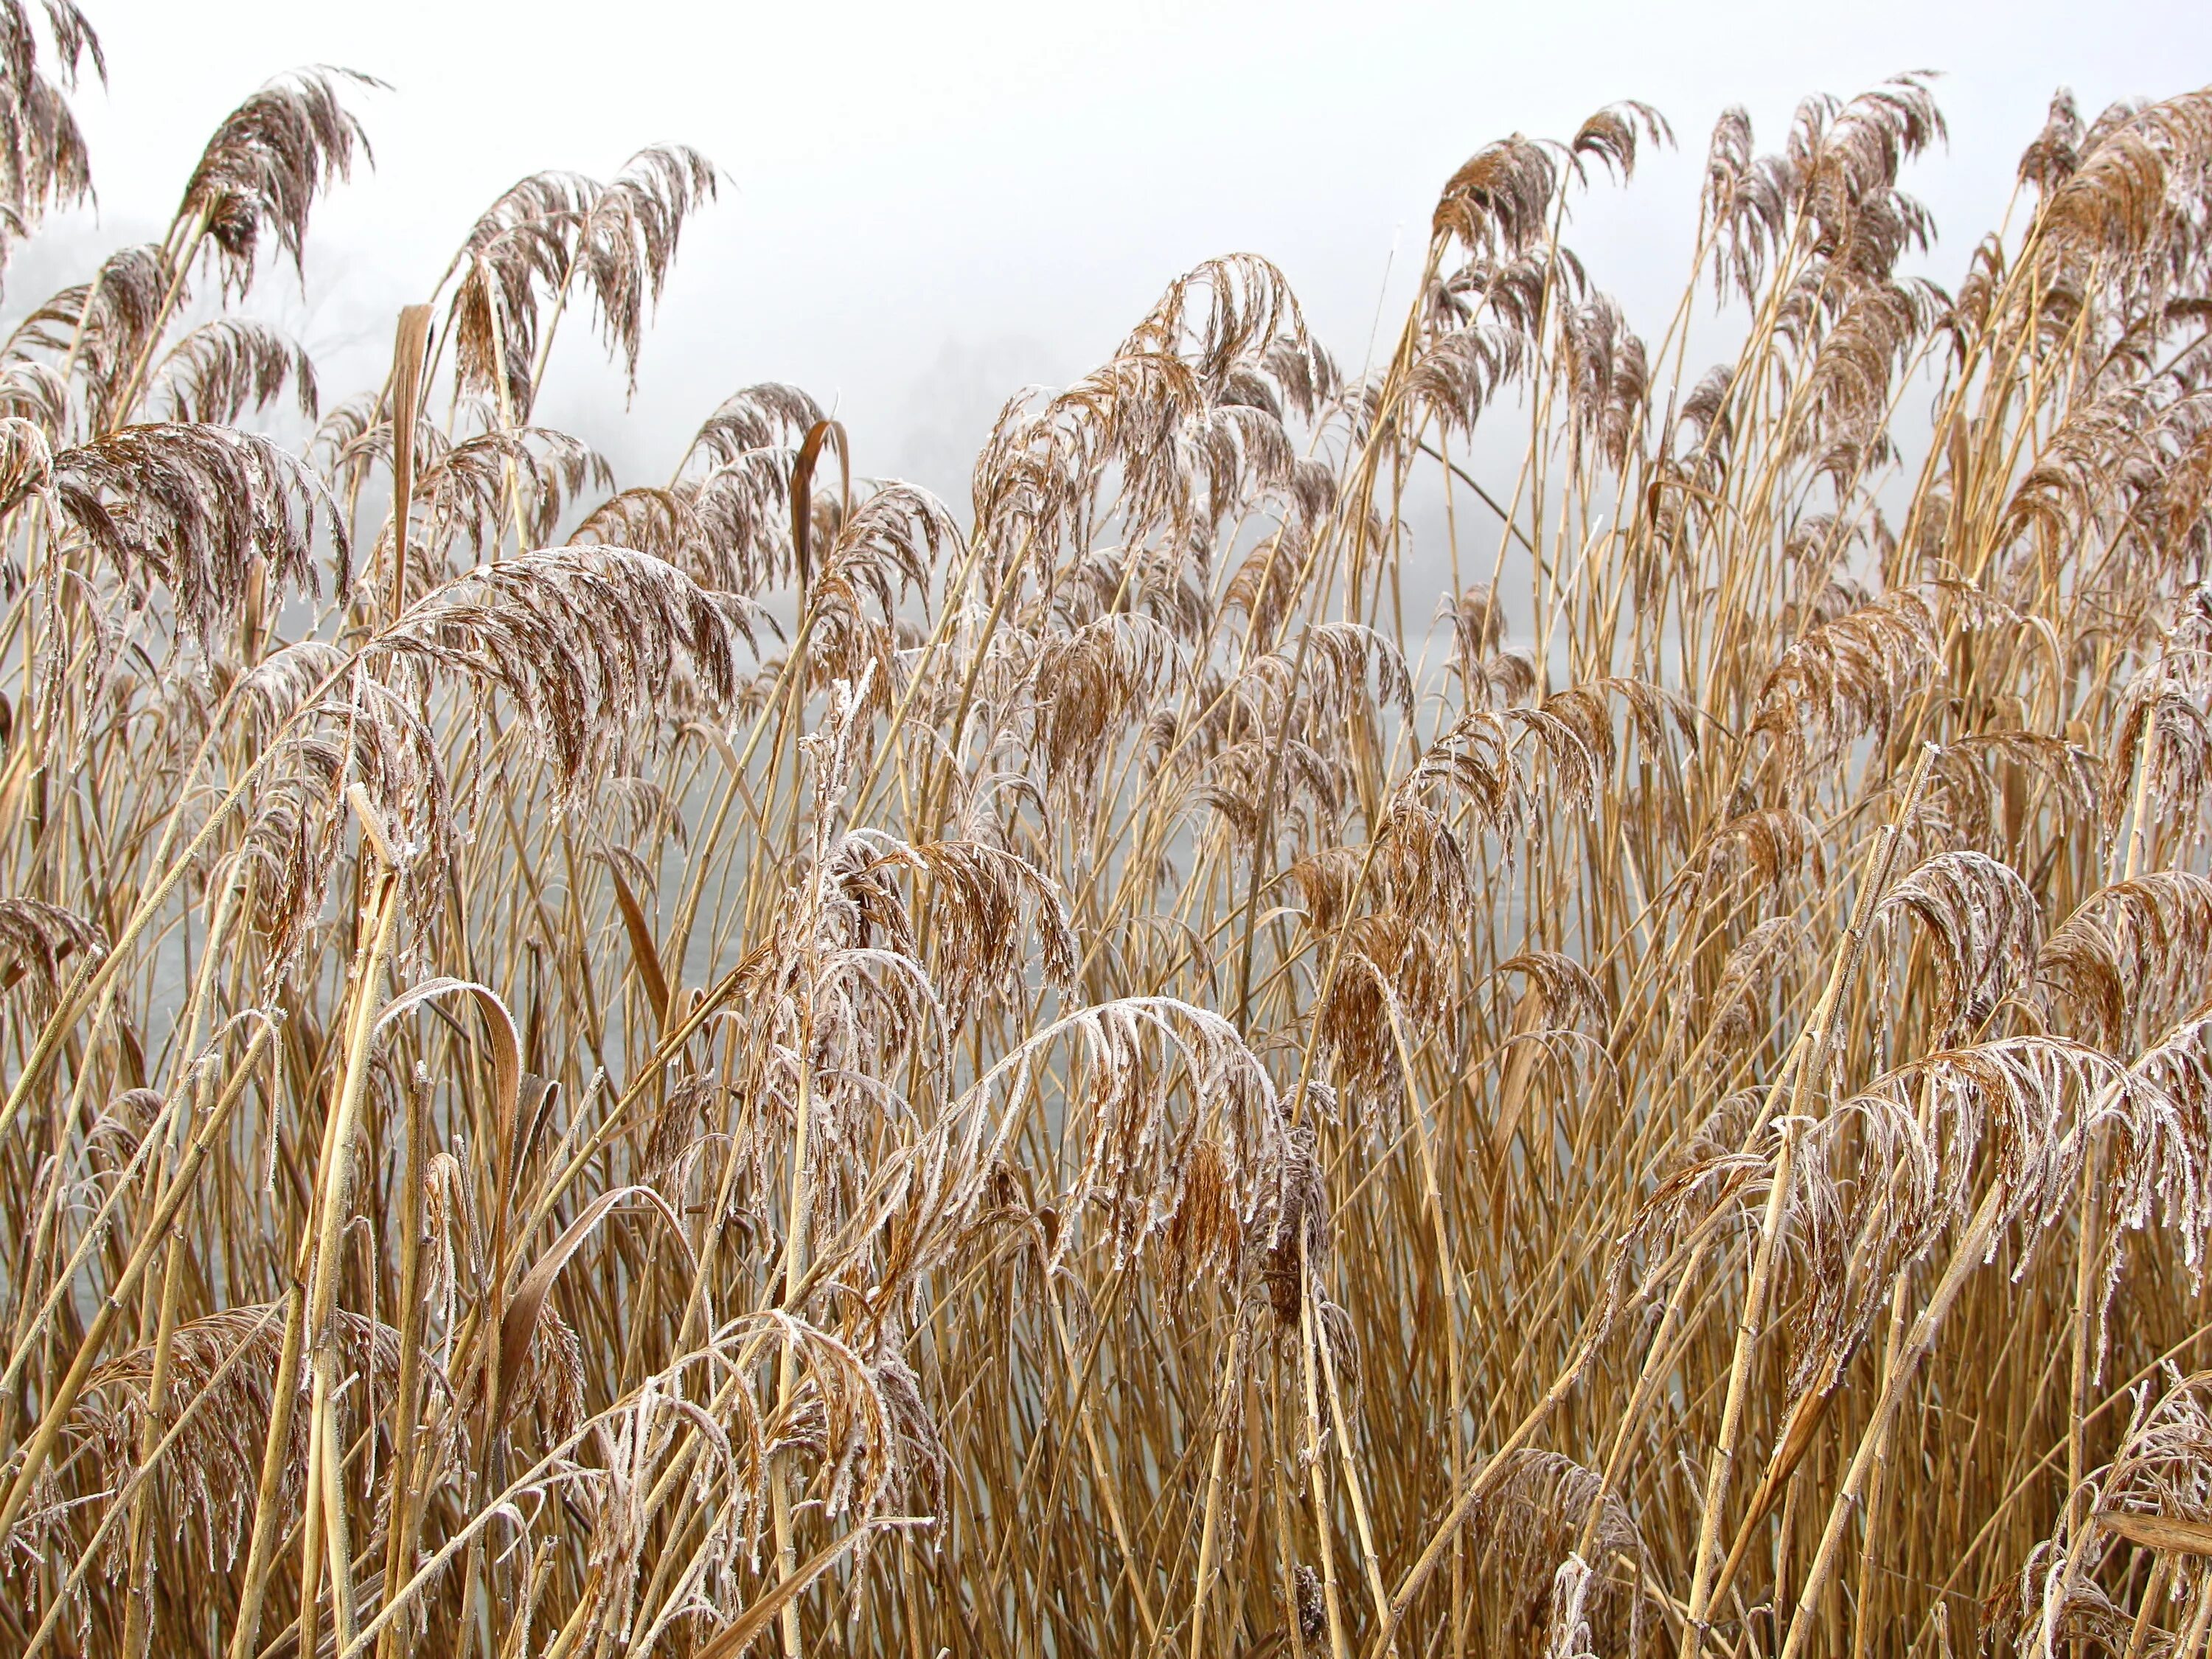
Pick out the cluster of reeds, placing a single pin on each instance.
(764, 1061)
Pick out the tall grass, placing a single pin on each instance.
(759, 1059)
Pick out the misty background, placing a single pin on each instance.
(926, 208)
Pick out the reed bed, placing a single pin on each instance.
(763, 1061)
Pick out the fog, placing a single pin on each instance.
(926, 207)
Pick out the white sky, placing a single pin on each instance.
(930, 204)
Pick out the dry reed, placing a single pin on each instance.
(756, 1061)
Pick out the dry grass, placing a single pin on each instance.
(759, 1059)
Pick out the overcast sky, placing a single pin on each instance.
(928, 205)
